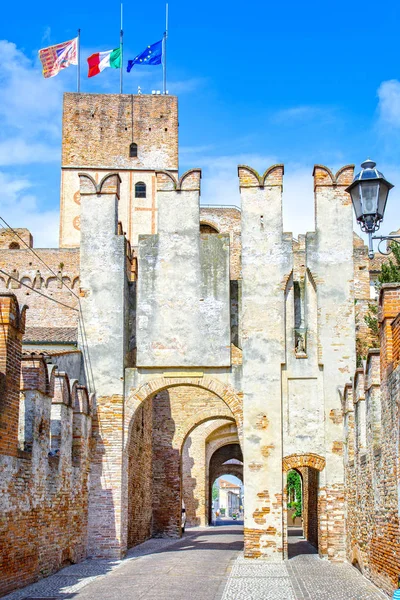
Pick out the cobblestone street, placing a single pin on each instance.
(207, 564)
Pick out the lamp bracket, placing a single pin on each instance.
(382, 238)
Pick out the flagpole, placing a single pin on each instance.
(121, 45)
(165, 51)
(78, 75)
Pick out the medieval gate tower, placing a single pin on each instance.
(172, 329)
(204, 334)
(131, 135)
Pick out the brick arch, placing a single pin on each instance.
(224, 391)
(235, 470)
(210, 224)
(198, 419)
(295, 461)
(216, 467)
(215, 445)
(211, 429)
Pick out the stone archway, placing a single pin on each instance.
(308, 466)
(153, 445)
(195, 468)
(233, 399)
(217, 467)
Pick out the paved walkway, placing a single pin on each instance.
(303, 577)
(206, 564)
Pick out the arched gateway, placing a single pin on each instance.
(160, 417)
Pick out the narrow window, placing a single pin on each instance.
(14, 246)
(140, 190)
(133, 150)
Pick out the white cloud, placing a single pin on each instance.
(28, 103)
(389, 103)
(20, 208)
(17, 151)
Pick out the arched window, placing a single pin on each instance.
(140, 190)
(14, 246)
(133, 150)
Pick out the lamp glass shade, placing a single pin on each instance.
(383, 196)
(369, 191)
(356, 200)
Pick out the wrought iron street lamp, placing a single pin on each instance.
(369, 192)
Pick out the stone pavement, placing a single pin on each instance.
(303, 577)
(195, 567)
(206, 564)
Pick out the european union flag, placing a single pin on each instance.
(151, 56)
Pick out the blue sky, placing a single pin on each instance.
(258, 83)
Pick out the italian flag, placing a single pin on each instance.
(100, 60)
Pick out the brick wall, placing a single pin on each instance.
(26, 267)
(389, 306)
(373, 540)
(140, 505)
(43, 498)
(395, 325)
(99, 128)
(12, 325)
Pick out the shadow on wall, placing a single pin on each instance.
(167, 502)
(101, 521)
(154, 498)
(140, 475)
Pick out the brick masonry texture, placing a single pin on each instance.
(43, 498)
(370, 406)
(99, 128)
(24, 266)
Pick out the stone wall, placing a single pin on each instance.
(225, 220)
(370, 406)
(44, 461)
(266, 264)
(105, 307)
(170, 305)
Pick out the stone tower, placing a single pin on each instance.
(134, 135)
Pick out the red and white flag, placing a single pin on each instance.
(56, 58)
